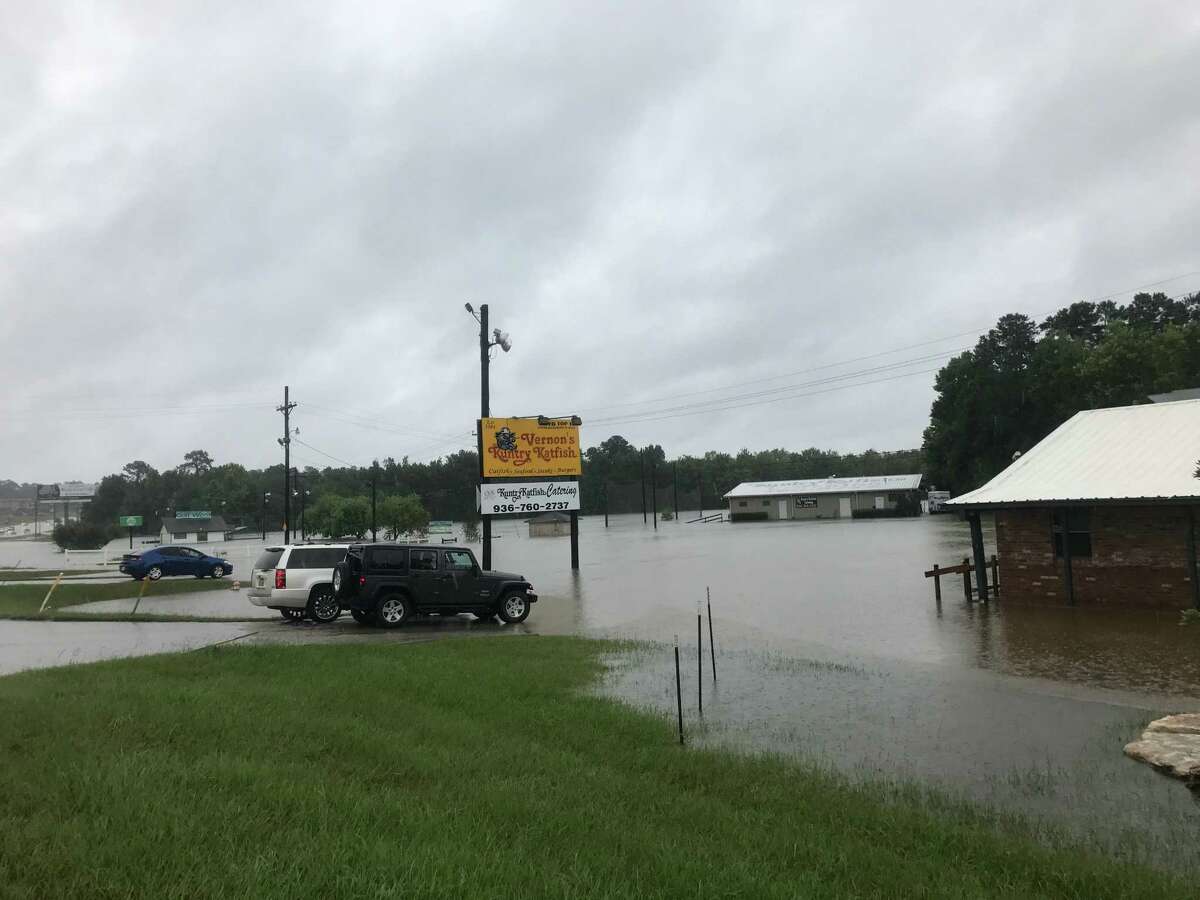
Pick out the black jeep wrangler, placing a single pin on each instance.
(388, 584)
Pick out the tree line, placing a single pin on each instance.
(1024, 379)
(335, 500)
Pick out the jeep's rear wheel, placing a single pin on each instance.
(514, 608)
(363, 616)
(291, 613)
(323, 606)
(393, 610)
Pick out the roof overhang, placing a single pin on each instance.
(1100, 501)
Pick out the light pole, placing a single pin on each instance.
(302, 494)
(374, 482)
(266, 497)
(499, 339)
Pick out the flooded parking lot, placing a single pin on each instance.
(832, 649)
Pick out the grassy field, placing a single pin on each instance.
(472, 768)
(24, 600)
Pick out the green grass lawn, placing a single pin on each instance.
(456, 769)
(24, 600)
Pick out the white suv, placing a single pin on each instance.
(297, 580)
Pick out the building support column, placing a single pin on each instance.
(1068, 573)
(981, 585)
(1191, 557)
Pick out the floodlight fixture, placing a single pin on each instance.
(502, 338)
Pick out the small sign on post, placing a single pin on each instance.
(130, 522)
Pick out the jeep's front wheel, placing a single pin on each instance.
(393, 610)
(514, 608)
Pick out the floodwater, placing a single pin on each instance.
(831, 648)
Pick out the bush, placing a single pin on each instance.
(471, 531)
(666, 516)
(747, 517)
(83, 535)
(1189, 617)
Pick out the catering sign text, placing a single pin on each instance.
(529, 497)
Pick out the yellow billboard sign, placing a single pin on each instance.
(529, 448)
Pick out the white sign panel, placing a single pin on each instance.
(529, 497)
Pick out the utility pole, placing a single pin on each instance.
(286, 443)
(374, 482)
(654, 488)
(484, 412)
(675, 487)
(642, 459)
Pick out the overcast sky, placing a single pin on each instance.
(663, 203)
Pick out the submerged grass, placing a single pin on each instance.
(29, 574)
(24, 600)
(451, 769)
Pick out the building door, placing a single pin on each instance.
(881, 502)
(783, 508)
(844, 511)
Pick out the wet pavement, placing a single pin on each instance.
(220, 604)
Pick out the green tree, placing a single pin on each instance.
(402, 514)
(197, 462)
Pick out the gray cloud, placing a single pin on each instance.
(657, 199)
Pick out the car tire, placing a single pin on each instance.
(363, 616)
(218, 571)
(291, 613)
(514, 608)
(485, 615)
(393, 610)
(323, 606)
(155, 573)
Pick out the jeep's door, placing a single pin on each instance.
(424, 578)
(461, 587)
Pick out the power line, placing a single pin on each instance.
(977, 330)
(337, 459)
(707, 405)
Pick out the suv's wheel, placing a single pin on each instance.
(363, 616)
(323, 606)
(514, 608)
(393, 610)
(291, 613)
(155, 573)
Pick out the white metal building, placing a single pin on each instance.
(819, 498)
(192, 530)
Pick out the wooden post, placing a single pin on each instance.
(699, 662)
(937, 583)
(1192, 573)
(966, 578)
(712, 646)
(678, 691)
(995, 576)
(1068, 574)
(141, 591)
(981, 581)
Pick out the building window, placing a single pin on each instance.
(179, 535)
(1079, 530)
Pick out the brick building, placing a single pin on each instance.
(1102, 512)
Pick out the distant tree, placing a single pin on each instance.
(402, 515)
(197, 462)
(138, 471)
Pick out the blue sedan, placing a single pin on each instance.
(156, 563)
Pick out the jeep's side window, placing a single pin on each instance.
(424, 560)
(458, 560)
(391, 559)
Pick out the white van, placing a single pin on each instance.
(297, 580)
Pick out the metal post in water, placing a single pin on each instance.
(966, 566)
(699, 663)
(678, 691)
(937, 584)
(712, 646)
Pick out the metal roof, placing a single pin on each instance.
(862, 485)
(183, 526)
(1172, 396)
(1121, 454)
